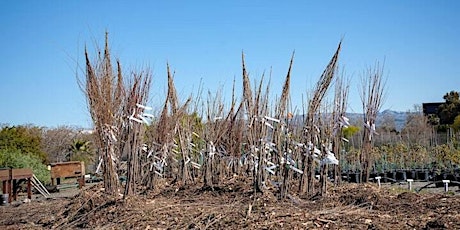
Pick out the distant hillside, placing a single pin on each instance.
(357, 118)
(400, 118)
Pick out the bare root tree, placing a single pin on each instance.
(117, 109)
(340, 121)
(331, 136)
(215, 131)
(281, 133)
(256, 107)
(372, 96)
(132, 130)
(311, 129)
(170, 135)
(105, 93)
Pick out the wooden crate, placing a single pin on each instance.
(4, 174)
(21, 173)
(68, 169)
(10, 180)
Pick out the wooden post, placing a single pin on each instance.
(10, 189)
(29, 188)
(16, 176)
(81, 182)
(15, 189)
(5, 177)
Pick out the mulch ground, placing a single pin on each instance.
(235, 206)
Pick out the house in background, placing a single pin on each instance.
(431, 108)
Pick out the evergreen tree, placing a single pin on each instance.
(448, 111)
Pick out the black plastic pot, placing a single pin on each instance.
(355, 178)
(438, 178)
(450, 176)
(423, 175)
(411, 174)
(384, 176)
(401, 176)
(392, 175)
(345, 176)
(373, 175)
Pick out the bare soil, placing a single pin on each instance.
(235, 206)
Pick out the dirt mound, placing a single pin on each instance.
(235, 206)
(359, 195)
(84, 209)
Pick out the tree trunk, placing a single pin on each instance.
(109, 171)
(323, 179)
(365, 161)
(284, 188)
(208, 181)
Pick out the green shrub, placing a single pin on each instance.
(14, 158)
(26, 138)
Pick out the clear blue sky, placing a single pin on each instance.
(42, 43)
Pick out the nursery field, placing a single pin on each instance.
(256, 163)
(234, 205)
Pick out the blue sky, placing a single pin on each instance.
(42, 45)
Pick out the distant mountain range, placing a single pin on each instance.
(399, 117)
(357, 118)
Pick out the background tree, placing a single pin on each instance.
(56, 142)
(417, 129)
(448, 111)
(387, 129)
(27, 139)
(456, 124)
(82, 150)
(20, 147)
(15, 158)
(349, 131)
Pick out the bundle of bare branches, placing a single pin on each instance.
(311, 125)
(117, 109)
(250, 139)
(372, 96)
